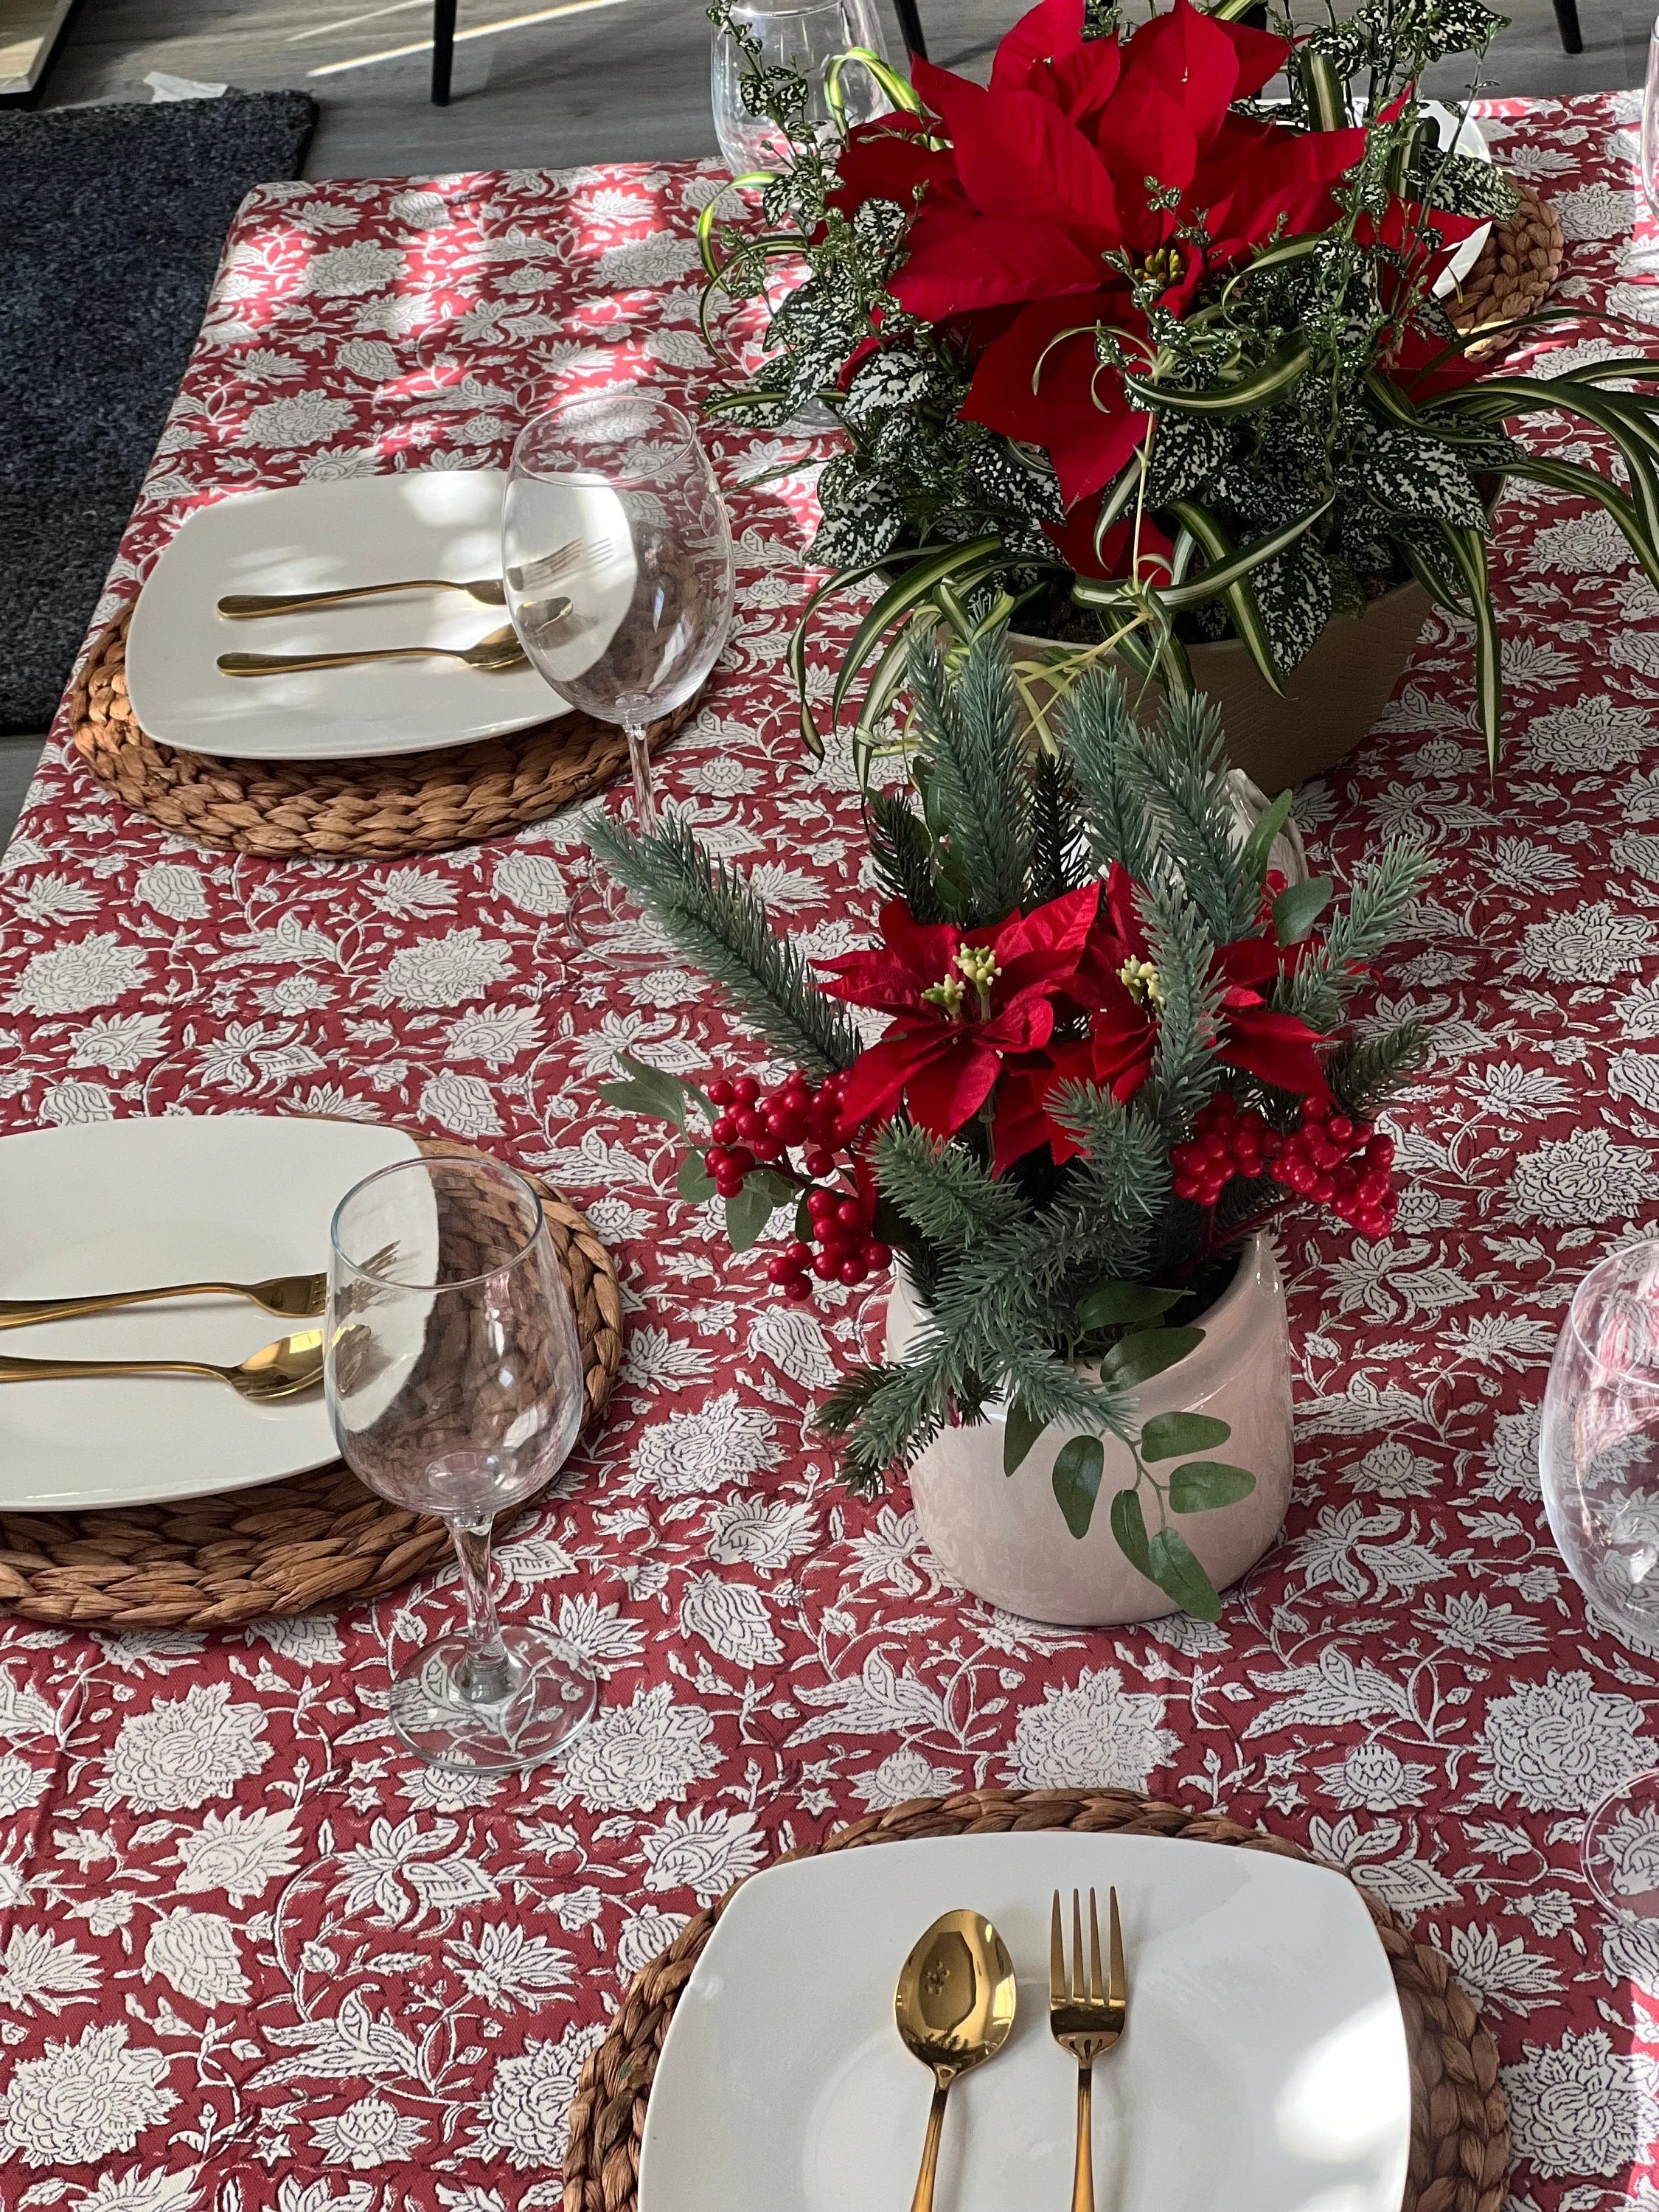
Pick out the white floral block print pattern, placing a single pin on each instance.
(253, 1958)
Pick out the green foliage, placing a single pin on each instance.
(1366, 1071)
(978, 778)
(1078, 1466)
(713, 917)
(1322, 986)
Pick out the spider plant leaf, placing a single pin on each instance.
(1468, 551)
(962, 565)
(1269, 383)
(797, 654)
(1590, 483)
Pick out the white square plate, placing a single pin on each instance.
(318, 538)
(1263, 2068)
(128, 1204)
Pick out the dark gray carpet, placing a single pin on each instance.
(110, 223)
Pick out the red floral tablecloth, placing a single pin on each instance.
(252, 1955)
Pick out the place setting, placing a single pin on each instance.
(174, 1405)
(376, 665)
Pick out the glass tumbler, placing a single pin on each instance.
(453, 1376)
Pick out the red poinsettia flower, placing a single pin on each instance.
(1043, 190)
(1083, 154)
(962, 1004)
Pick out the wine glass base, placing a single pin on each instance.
(1622, 1848)
(549, 1694)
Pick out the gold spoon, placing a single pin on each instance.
(954, 2006)
(282, 1370)
(501, 649)
(243, 606)
(294, 1297)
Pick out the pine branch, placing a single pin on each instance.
(902, 852)
(1179, 774)
(713, 917)
(1117, 1190)
(1323, 984)
(1050, 1390)
(969, 729)
(1366, 1072)
(942, 1190)
(1185, 1071)
(886, 1416)
(1057, 850)
(1096, 732)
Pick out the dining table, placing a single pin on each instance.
(256, 1955)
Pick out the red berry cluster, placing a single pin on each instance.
(842, 1222)
(756, 1126)
(1342, 1163)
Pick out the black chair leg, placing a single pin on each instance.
(910, 24)
(1566, 21)
(443, 47)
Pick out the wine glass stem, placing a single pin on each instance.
(485, 1676)
(639, 761)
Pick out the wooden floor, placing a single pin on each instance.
(607, 80)
(613, 80)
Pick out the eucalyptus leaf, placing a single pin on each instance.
(1110, 1304)
(1203, 1484)
(649, 1093)
(1298, 906)
(1178, 1574)
(748, 1212)
(1259, 848)
(1138, 1358)
(1166, 1436)
(1078, 1469)
(1020, 1430)
(693, 1181)
(1129, 1527)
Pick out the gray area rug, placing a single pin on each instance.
(110, 223)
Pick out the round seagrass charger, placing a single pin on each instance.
(384, 809)
(1516, 266)
(1460, 2143)
(296, 1546)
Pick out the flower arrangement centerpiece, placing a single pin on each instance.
(1145, 353)
(1110, 1048)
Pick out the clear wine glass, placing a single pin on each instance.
(616, 554)
(808, 37)
(1651, 124)
(453, 1375)
(1599, 1462)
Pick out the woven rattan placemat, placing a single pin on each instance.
(364, 810)
(308, 1542)
(1460, 2127)
(1516, 267)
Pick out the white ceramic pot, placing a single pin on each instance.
(1004, 1536)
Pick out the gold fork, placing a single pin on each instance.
(1085, 2021)
(295, 1298)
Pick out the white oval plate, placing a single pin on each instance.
(129, 1204)
(1263, 2067)
(318, 538)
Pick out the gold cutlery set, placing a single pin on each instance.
(499, 649)
(293, 1363)
(955, 2006)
